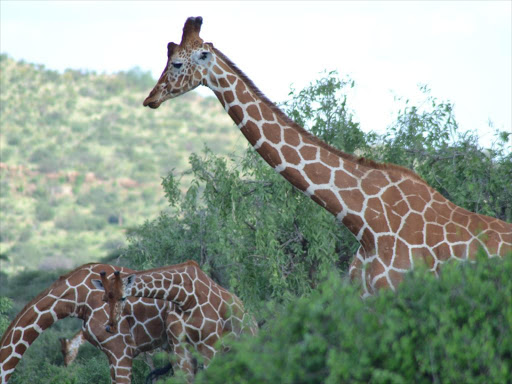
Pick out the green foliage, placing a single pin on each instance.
(71, 221)
(23, 287)
(45, 358)
(80, 153)
(322, 109)
(455, 329)
(247, 227)
(44, 211)
(5, 307)
(427, 139)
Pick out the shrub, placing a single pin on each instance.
(73, 221)
(5, 306)
(44, 211)
(455, 329)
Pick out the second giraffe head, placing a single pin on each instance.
(116, 290)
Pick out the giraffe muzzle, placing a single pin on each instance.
(151, 104)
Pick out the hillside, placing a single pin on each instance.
(71, 196)
(81, 160)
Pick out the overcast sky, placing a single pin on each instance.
(462, 50)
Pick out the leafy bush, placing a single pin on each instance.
(322, 109)
(5, 306)
(246, 227)
(74, 221)
(44, 211)
(456, 329)
(428, 140)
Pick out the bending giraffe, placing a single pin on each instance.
(394, 214)
(208, 312)
(141, 327)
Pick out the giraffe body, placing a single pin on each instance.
(205, 312)
(141, 327)
(396, 216)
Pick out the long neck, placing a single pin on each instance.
(38, 314)
(177, 284)
(333, 179)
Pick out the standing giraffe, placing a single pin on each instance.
(394, 214)
(141, 327)
(207, 311)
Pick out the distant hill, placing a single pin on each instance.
(81, 159)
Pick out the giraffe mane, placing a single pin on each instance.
(40, 296)
(188, 263)
(347, 156)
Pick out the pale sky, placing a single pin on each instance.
(462, 50)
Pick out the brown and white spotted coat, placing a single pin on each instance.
(70, 347)
(141, 327)
(205, 313)
(395, 215)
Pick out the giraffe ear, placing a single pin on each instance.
(128, 282)
(98, 284)
(170, 49)
(203, 57)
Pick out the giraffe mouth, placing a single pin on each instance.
(151, 104)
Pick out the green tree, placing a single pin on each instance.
(427, 139)
(5, 307)
(454, 329)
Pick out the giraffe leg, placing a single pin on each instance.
(207, 351)
(120, 367)
(177, 336)
(112, 367)
(357, 273)
(184, 361)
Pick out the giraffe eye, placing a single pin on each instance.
(123, 298)
(177, 65)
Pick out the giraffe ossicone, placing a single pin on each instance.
(208, 312)
(396, 216)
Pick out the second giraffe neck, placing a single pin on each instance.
(174, 284)
(39, 314)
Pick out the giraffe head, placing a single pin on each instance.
(116, 290)
(186, 67)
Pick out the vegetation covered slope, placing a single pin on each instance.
(81, 159)
(286, 258)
